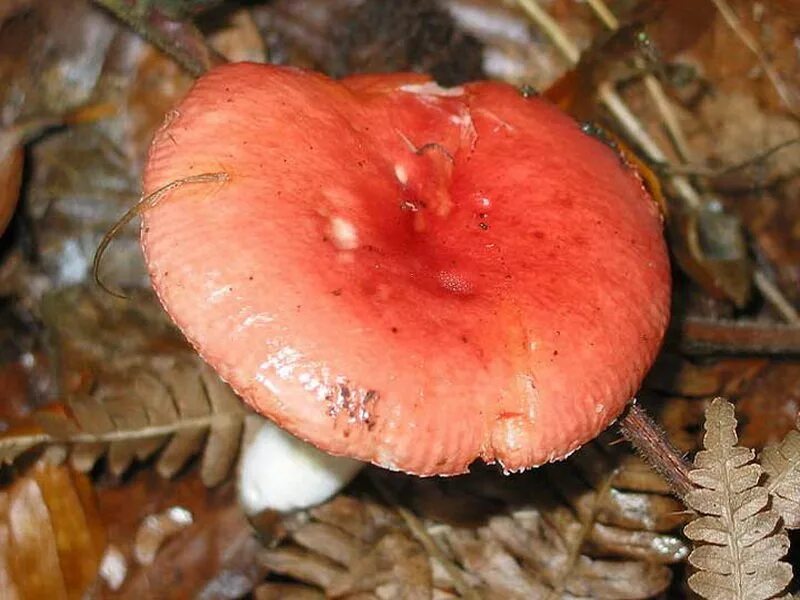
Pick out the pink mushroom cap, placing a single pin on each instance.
(405, 274)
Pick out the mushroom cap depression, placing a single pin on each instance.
(406, 274)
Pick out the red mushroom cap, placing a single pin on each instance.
(405, 274)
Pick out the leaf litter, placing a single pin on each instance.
(114, 383)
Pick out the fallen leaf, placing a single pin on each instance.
(53, 534)
(214, 556)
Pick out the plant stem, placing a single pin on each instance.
(652, 444)
(179, 39)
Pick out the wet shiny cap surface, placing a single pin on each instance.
(409, 275)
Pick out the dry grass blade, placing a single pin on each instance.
(136, 210)
(741, 543)
(782, 468)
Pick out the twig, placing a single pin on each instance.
(611, 100)
(700, 336)
(733, 21)
(553, 30)
(604, 14)
(653, 87)
(652, 444)
(774, 296)
(179, 39)
(636, 131)
(705, 171)
(667, 112)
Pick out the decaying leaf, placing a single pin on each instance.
(741, 542)
(710, 247)
(156, 529)
(781, 464)
(51, 535)
(132, 388)
(216, 556)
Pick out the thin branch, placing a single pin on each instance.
(636, 131)
(701, 336)
(652, 444)
(553, 30)
(775, 297)
(653, 87)
(611, 100)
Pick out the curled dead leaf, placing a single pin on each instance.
(157, 529)
(709, 246)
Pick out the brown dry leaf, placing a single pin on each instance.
(769, 404)
(740, 541)
(52, 534)
(156, 529)
(238, 39)
(781, 464)
(734, 67)
(133, 387)
(678, 376)
(710, 247)
(215, 556)
(14, 393)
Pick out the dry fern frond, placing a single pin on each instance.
(782, 467)
(180, 412)
(595, 526)
(741, 541)
(132, 388)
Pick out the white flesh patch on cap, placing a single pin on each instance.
(401, 174)
(343, 233)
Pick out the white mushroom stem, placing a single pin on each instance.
(282, 473)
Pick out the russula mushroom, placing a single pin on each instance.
(405, 274)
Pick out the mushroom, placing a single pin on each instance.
(405, 274)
